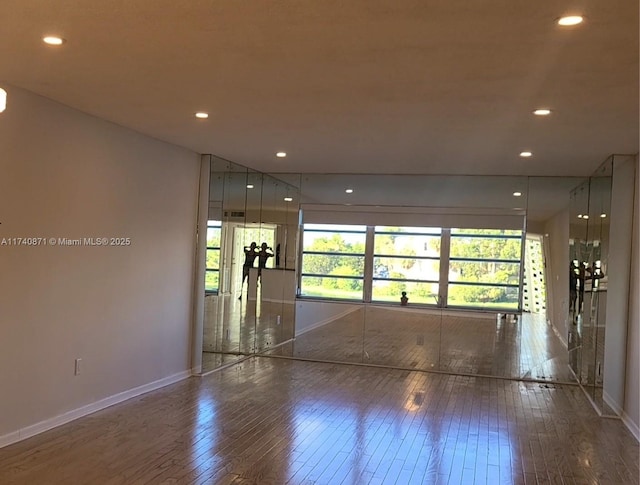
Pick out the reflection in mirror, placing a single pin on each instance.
(546, 280)
(280, 205)
(244, 271)
(245, 309)
(212, 334)
(595, 285)
(578, 218)
(446, 242)
(221, 338)
(482, 262)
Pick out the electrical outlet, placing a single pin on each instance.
(278, 320)
(77, 367)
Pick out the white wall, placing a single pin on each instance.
(618, 284)
(631, 413)
(125, 311)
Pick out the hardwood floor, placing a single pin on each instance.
(280, 421)
(428, 340)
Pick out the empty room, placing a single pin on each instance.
(319, 242)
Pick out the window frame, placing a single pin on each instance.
(212, 224)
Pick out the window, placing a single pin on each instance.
(212, 271)
(406, 259)
(484, 268)
(333, 261)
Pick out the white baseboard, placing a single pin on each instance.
(612, 403)
(631, 426)
(47, 424)
(557, 334)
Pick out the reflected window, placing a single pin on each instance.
(484, 268)
(212, 271)
(333, 261)
(406, 259)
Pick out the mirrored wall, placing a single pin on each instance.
(588, 281)
(252, 231)
(434, 273)
(462, 274)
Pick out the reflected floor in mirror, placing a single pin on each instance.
(214, 360)
(591, 339)
(234, 328)
(281, 421)
(455, 342)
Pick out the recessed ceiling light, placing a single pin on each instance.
(281, 154)
(585, 216)
(517, 194)
(570, 20)
(53, 40)
(202, 115)
(579, 216)
(249, 186)
(288, 199)
(349, 191)
(526, 154)
(603, 215)
(542, 112)
(3, 100)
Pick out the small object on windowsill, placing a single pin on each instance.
(403, 299)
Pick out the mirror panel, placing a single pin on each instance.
(595, 299)
(245, 311)
(577, 262)
(495, 345)
(221, 338)
(270, 291)
(496, 332)
(280, 204)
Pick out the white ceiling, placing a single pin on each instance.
(357, 86)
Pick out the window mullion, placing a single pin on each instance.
(368, 264)
(445, 252)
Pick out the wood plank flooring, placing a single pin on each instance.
(280, 421)
(427, 340)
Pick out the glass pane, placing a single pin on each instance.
(214, 230)
(483, 296)
(334, 242)
(211, 280)
(407, 245)
(484, 272)
(213, 237)
(406, 268)
(423, 293)
(336, 288)
(330, 264)
(485, 248)
(213, 259)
